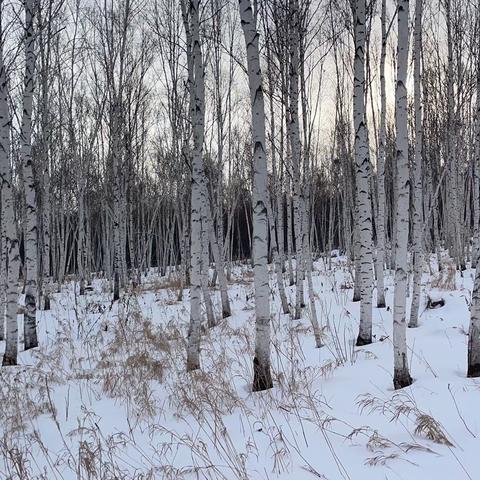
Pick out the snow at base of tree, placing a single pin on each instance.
(106, 394)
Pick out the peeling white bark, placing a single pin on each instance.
(382, 140)
(9, 230)
(417, 173)
(197, 98)
(401, 377)
(30, 326)
(293, 131)
(473, 359)
(362, 177)
(261, 364)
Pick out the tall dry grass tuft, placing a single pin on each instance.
(402, 405)
(134, 361)
(445, 278)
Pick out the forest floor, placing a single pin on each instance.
(106, 396)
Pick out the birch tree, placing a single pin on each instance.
(47, 23)
(417, 168)
(197, 113)
(9, 240)
(401, 375)
(216, 235)
(382, 138)
(362, 176)
(262, 378)
(473, 356)
(30, 326)
(476, 162)
(293, 129)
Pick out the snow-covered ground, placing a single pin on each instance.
(106, 396)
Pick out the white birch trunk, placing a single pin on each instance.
(473, 367)
(417, 173)
(197, 112)
(262, 379)
(3, 277)
(357, 283)
(216, 235)
(206, 254)
(46, 239)
(291, 280)
(116, 170)
(293, 131)
(217, 252)
(452, 208)
(276, 228)
(30, 327)
(317, 332)
(381, 166)
(401, 377)
(362, 176)
(476, 171)
(9, 230)
(276, 260)
(81, 240)
(473, 359)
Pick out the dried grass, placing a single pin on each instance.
(402, 405)
(445, 278)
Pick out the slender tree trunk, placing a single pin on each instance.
(473, 369)
(30, 325)
(476, 167)
(46, 237)
(293, 129)
(381, 167)
(207, 225)
(357, 281)
(81, 241)
(197, 112)
(362, 164)
(473, 360)
(9, 230)
(276, 230)
(417, 173)
(116, 153)
(401, 376)
(317, 332)
(262, 378)
(289, 230)
(220, 269)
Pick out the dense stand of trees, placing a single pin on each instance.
(188, 134)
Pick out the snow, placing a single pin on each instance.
(106, 394)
